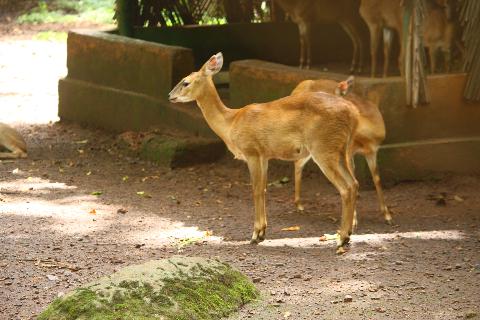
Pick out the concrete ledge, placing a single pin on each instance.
(127, 64)
(118, 110)
(429, 159)
(178, 152)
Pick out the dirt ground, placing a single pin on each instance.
(80, 207)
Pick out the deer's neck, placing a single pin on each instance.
(217, 115)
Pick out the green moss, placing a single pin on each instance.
(212, 293)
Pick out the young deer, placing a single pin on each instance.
(367, 138)
(307, 12)
(438, 33)
(12, 145)
(317, 125)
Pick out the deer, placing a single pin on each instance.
(307, 12)
(385, 17)
(381, 17)
(314, 125)
(438, 33)
(12, 144)
(368, 136)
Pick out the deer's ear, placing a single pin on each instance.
(213, 65)
(344, 87)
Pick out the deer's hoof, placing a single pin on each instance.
(261, 235)
(300, 207)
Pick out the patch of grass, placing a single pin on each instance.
(211, 294)
(51, 36)
(68, 11)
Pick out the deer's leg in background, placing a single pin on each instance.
(372, 165)
(354, 36)
(258, 168)
(387, 49)
(374, 39)
(299, 164)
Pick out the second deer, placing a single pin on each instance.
(367, 138)
(307, 12)
(311, 124)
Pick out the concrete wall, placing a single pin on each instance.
(120, 84)
(277, 42)
(440, 137)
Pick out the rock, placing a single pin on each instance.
(175, 288)
(471, 315)
(348, 298)
(52, 277)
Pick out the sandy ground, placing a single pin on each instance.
(79, 207)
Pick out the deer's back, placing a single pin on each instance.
(288, 127)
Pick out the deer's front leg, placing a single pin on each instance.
(299, 164)
(258, 168)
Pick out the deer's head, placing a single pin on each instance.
(190, 87)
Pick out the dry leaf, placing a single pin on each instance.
(96, 193)
(88, 173)
(329, 237)
(93, 211)
(458, 198)
(15, 171)
(293, 228)
(208, 233)
(287, 314)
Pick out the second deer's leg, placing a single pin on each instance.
(372, 165)
(374, 39)
(299, 164)
(258, 168)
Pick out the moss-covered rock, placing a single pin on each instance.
(181, 152)
(178, 288)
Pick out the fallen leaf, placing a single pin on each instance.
(82, 141)
(143, 194)
(15, 171)
(287, 314)
(124, 178)
(458, 198)
(96, 193)
(93, 211)
(292, 228)
(329, 237)
(122, 211)
(284, 180)
(208, 233)
(88, 173)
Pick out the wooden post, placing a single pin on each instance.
(124, 17)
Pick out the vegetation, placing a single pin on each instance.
(70, 11)
(204, 293)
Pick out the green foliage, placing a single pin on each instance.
(51, 36)
(210, 294)
(68, 11)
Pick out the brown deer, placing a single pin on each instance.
(380, 15)
(367, 138)
(12, 145)
(385, 16)
(307, 12)
(313, 124)
(438, 33)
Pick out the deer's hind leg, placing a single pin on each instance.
(258, 168)
(338, 171)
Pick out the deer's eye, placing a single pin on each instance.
(185, 84)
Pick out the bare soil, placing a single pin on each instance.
(81, 207)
